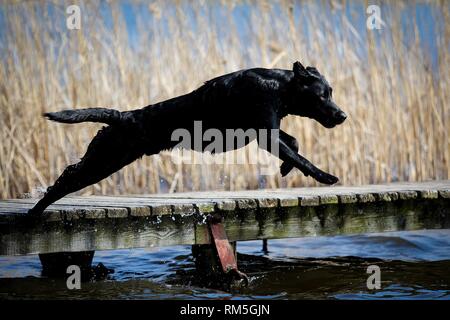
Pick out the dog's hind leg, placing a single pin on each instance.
(109, 151)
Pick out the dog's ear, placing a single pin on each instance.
(313, 72)
(299, 70)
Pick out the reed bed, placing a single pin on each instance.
(393, 83)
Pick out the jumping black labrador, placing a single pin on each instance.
(253, 98)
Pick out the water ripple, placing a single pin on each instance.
(414, 265)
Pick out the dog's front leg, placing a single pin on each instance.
(292, 143)
(280, 149)
(291, 157)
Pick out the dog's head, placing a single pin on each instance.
(311, 96)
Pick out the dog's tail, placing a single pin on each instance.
(103, 115)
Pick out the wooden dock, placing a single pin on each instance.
(102, 222)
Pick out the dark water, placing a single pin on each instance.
(414, 265)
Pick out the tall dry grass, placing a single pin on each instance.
(396, 97)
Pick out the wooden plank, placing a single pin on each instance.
(148, 206)
(157, 220)
(100, 234)
(308, 201)
(334, 220)
(242, 225)
(72, 210)
(135, 209)
(13, 215)
(335, 190)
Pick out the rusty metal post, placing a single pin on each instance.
(217, 262)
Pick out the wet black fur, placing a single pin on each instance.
(253, 98)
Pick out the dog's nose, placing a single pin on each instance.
(340, 116)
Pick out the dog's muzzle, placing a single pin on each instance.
(340, 117)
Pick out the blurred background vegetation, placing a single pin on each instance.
(393, 83)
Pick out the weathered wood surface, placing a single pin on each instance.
(101, 222)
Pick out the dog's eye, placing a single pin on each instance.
(326, 94)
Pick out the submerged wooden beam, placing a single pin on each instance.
(100, 222)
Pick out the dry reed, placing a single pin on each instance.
(395, 93)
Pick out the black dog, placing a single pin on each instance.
(253, 98)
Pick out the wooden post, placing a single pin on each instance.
(54, 265)
(216, 263)
(265, 248)
(207, 263)
(209, 269)
(207, 260)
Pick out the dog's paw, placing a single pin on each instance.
(285, 168)
(326, 178)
